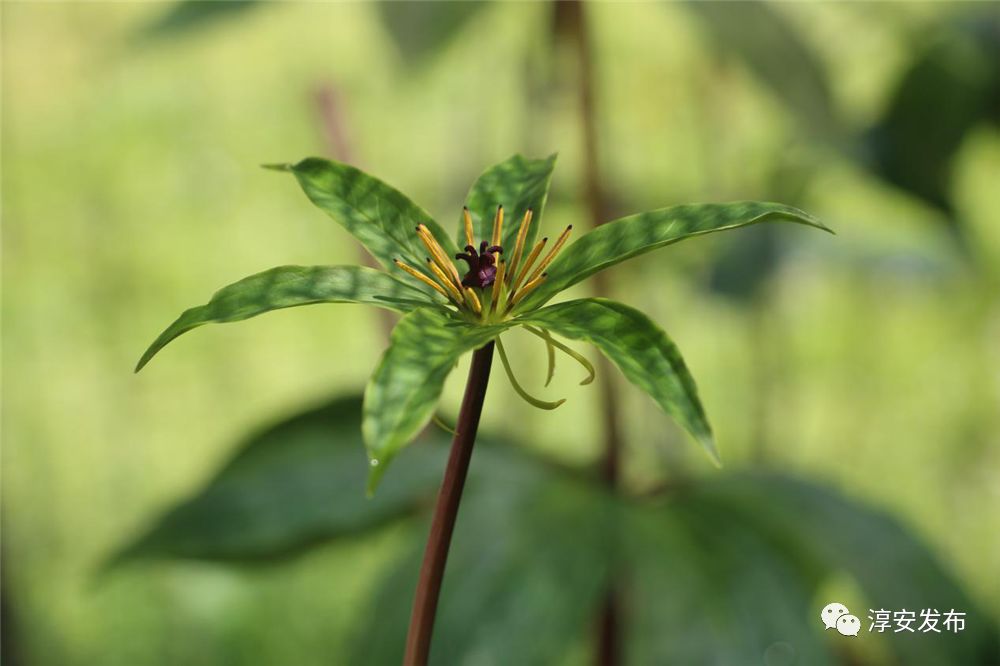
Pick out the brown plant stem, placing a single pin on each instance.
(418, 640)
(571, 21)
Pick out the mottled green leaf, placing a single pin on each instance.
(288, 488)
(381, 217)
(407, 383)
(291, 286)
(630, 236)
(640, 349)
(517, 184)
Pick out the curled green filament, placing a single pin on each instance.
(576, 356)
(440, 423)
(531, 400)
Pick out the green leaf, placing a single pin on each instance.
(291, 286)
(705, 588)
(528, 560)
(185, 16)
(381, 217)
(403, 391)
(832, 534)
(640, 349)
(423, 29)
(773, 49)
(289, 488)
(517, 184)
(915, 149)
(628, 237)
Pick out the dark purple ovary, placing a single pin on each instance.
(482, 265)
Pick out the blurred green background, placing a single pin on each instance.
(868, 362)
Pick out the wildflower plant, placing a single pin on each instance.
(460, 295)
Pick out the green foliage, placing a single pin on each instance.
(529, 561)
(403, 391)
(828, 533)
(291, 286)
(614, 242)
(949, 89)
(641, 350)
(381, 217)
(421, 29)
(758, 36)
(287, 488)
(184, 16)
(748, 554)
(517, 183)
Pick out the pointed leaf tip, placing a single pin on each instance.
(292, 286)
(375, 472)
(278, 166)
(622, 239)
(708, 443)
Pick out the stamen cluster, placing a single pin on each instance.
(492, 286)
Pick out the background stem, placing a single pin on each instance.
(571, 20)
(418, 640)
(330, 109)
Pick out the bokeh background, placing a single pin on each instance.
(867, 363)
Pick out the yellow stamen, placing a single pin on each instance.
(527, 263)
(497, 227)
(528, 288)
(473, 300)
(522, 234)
(469, 233)
(498, 283)
(438, 254)
(420, 276)
(439, 274)
(552, 253)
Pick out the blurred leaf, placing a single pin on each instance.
(641, 350)
(404, 389)
(421, 29)
(628, 237)
(719, 571)
(381, 217)
(949, 88)
(824, 530)
(288, 488)
(291, 286)
(517, 184)
(758, 35)
(705, 588)
(745, 264)
(526, 570)
(181, 17)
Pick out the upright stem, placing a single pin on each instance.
(418, 640)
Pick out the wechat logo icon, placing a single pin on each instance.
(836, 616)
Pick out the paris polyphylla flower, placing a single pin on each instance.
(490, 289)
(505, 283)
